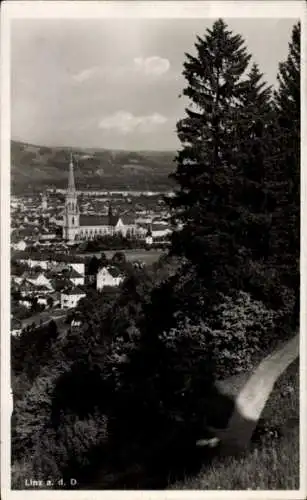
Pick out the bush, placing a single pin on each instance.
(242, 329)
(66, 452)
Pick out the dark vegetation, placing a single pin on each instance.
(117, 242)
(119, 401)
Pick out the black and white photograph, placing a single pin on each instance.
(152, 294)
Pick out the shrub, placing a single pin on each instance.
(242, 328)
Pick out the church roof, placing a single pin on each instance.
(113, 220)
(104, 220)
(128, 219)
(94, 220)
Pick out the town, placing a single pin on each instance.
(55, 236)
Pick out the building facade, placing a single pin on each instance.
(71, 297)
(78, 227)
(108, 276)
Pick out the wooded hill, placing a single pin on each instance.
(33, 165)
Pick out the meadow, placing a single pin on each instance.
(148, 257)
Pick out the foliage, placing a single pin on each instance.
(111, 242)
(19, 311)
(31, 414)
(287, 175)
(241, 330)
(33, 345)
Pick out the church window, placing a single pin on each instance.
(73, 221)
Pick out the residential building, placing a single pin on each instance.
(149, 238)
(71, 297)
(16, 328)
(38, 279)
(75, 277)
(108, 276)
(20, 245)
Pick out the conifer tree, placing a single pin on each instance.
(206, 202)
(286, 177)
(255, 147)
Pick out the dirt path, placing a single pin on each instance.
(254, 393)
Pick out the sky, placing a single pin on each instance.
(115, 84)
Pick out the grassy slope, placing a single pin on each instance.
(269, 464)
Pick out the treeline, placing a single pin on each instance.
(133, 387)
(118, 242)
(114, 242)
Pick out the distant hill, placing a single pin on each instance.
(35, 166)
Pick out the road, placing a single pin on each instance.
(55, 315)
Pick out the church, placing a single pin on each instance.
(78, 226)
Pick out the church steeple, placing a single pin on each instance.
(71, 178)
(71, 211)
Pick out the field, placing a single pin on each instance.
(270, 464)
(149, 257)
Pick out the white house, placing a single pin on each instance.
(16, 328)
(148, 238)
(108, 276)
(70, 298)
(75, 277)
(17, 279)
(20, 245)
(25, 303)
(44, 264)
(42, 301)
(76, 323)
(48, 236)
(78, 266)
(40, 280)
(160, 231)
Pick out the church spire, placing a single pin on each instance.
(71, 179)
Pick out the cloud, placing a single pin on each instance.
(86, 74)
(125, 122)
(149, 66)
(153, 65)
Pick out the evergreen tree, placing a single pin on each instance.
(207, 165)
(287, 175)
(255, 142)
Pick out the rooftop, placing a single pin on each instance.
(93, 220)
(112, 270)
(73, 291)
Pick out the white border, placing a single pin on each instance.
(134, 9)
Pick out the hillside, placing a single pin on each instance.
(42, 166)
